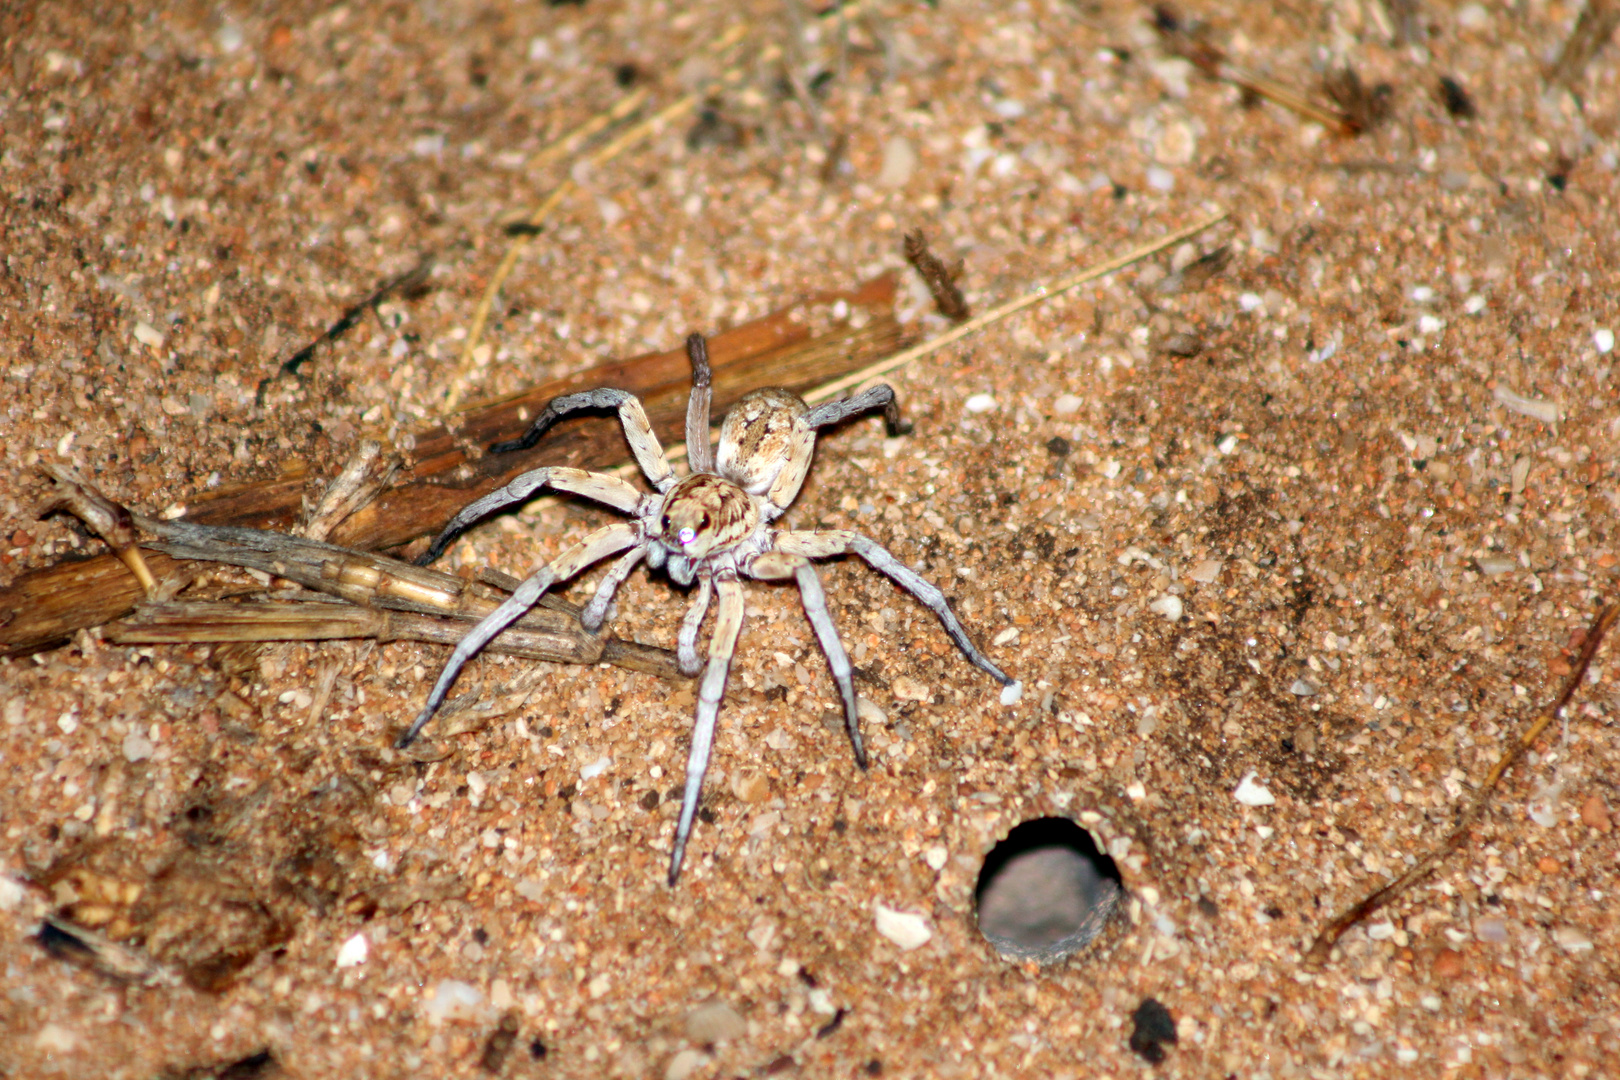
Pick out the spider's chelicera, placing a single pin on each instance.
(712, 527)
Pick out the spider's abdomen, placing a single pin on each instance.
(704, 514)
(761, 435)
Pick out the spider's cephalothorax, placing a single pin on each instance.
(713, 527)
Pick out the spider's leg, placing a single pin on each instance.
(728, 624)
(643, 443)
(686, 654)
(880, 395)
(595, 547)
(699, 453)
(820, 545)
(595, 611)
(598, 487)
(775, 565)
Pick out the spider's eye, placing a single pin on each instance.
(703, 523)
(666, 523)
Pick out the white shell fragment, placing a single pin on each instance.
(1547, 412)
(979, 403)
(148, 335)
(1572, 940)
(453, 999)
(1011, 694)
(906, 688)
(1169, 605)
(353, 952)
(906, 929)
(1250, 793)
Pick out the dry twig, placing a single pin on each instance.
(1323, 946)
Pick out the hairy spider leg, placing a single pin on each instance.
(637, 431)
(596, 611)
(686, 654)
(594, 548)
(881, 395)
(699, 452)
(822, 545)
(598, 487)
(777, 566)
(728, 624)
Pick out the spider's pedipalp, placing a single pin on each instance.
(728, 624)
(686, 654)
(594, 548)
(637, 431)
(821, 545)
(879, 396)
(699, 454)
(598, 487)
(778, 565)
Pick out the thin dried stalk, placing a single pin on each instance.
(391, 600)
(1322, 948)
(1040, 294)
(1213, 62)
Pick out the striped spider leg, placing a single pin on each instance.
(712, 528)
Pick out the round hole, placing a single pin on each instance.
(1046, 891)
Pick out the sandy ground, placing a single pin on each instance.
(1336, 519)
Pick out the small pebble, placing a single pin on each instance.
(899, 162)
(1011, 694)
(1250, 793)
(906, 929)
(1603, 339)
(148, 335)
(684, 1064)
(1594, 813)
(1206, 571)
(137, 747)
(751, 787)
(596, 768)
(1152, 1029)
(714, 1021)
(1448, 964)
(1303, 688)
(936, 857)
(979, 403)
(1066, 405)
(1492, 929)
(353, 952)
